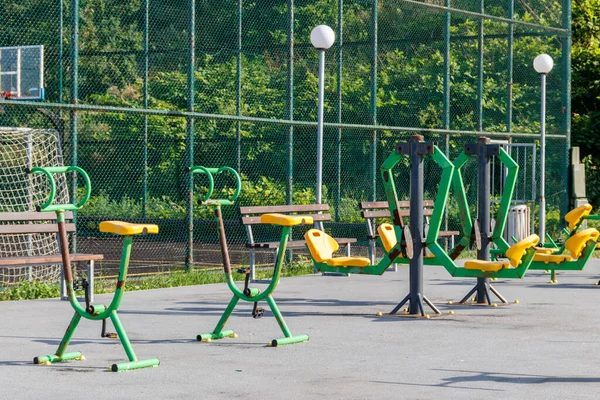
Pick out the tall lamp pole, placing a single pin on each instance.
(322, 38)
(543, 65)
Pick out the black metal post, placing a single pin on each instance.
(484, 150)
(416, 149)
(416, 224)
(483, 215)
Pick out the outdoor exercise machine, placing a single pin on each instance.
(480, 231)
(252, 295)
(520, 255)
(580, 245)
(322, 246)
(94, 312)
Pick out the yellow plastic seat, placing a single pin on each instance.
(322, 246)
(387, 235)
(348, 262)
(487, 266)
(127, 229)
(388, 238)
(515, 256)
(574, 216)
(576, 243)
(286, 220)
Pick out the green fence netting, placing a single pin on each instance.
(141, 90)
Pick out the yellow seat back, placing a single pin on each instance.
(321, 245)
(516, 252)
(574, 216)
(387, 235)
(577, 242)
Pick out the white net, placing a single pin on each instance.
(20, 149)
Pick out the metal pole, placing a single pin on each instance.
(190, 131)
(60, 51)
(480, 73)
(509, 89)
(483, 216)
(74, 100)
(338, 191)
(145, 127)
(374, 23)
(542, 220)
(566, 90)
(447, 26)
(238, 90)
(290, 83)
(416, 224)
(320, 126)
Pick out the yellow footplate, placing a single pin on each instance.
(348, 262)
(127, 229)
(487, 266)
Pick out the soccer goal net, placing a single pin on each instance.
(21, 149)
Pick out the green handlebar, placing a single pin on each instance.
(209, 172)
(48, 171)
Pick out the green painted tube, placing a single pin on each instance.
(75, 355)
(68, 335)
(218, 332)
(278, 316)
(123, 336)
(151, 362)
(205, 337)
(97, 309)
(289, 340)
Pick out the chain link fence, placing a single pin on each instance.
(142, 90)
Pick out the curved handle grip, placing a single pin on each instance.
(48, 171)
(209, 172)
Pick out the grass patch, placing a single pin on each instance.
(41, 290)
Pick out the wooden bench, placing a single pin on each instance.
(32, 223)
(251, 216)
(371, 210)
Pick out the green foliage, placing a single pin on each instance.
(29, 291)
(586, 90)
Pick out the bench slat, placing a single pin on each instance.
(386, 213)
(369, 205)
(441, 234)
(294, 243)
(284, 209)
(51, 259)
(256, 220)
(15, 229)
(31, 216)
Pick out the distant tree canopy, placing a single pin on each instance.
(586, 90)
(410, 63)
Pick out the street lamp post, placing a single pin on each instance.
(322, 38)
(543, 65)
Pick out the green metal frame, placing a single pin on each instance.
(94, 312)
(252, 295)
(575, 265)
(440, 256)
(395, 253)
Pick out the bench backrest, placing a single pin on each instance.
(314, 210)
(251, 216)
(380, 209)
(15, 223)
